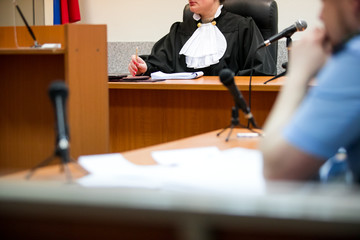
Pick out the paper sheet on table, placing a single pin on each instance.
(181, 75)
(235, 170)
(113, 170)
(187, 156)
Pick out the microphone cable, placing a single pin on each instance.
(14, 18)
(250, 81)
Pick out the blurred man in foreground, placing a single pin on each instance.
(308, 124)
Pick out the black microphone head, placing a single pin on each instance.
(226, 76)
(300, 25)
(57, 88)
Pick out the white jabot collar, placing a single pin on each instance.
(206, 46)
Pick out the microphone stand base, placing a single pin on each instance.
(234, 122)
(231, 129)
(64, 167)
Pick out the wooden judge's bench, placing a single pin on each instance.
(103, 116)
(145, 114)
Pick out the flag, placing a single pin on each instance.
(66, 11)
(74, 11)
(57, 15)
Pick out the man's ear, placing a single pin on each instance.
(357, 6)
(354, 7)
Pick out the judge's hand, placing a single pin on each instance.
(137, 66)
(309, 55)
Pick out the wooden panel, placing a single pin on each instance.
(27, 118)
(140, 118)
(53, 34)
(86, 75)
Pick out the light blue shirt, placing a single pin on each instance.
(329, 116)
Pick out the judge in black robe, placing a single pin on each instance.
(242, 37)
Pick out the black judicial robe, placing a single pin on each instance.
(241, 34)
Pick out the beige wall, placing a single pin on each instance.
(147, 20)
(133, 20)
(7, 11)
(292, 10)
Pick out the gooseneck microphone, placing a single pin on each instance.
(36, 44)
(58, 93)
(298, 26)
(227, 78)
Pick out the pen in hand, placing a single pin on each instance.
(136, 62)
(137, 65)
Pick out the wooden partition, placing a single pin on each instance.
(27, 119)
(145, 114)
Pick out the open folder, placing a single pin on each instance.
(181, 75)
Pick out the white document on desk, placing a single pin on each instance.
(180, 75)
(113, 170)
(188, 156)
(208, 169)
(236, 170)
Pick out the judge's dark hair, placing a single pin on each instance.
(222, 1)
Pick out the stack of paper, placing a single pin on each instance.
(181, 75)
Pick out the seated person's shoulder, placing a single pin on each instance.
(231, 22)
(187, 27)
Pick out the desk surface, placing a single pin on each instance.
(286, 209)
(203, 83)
(34, 51)
(143, 156)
